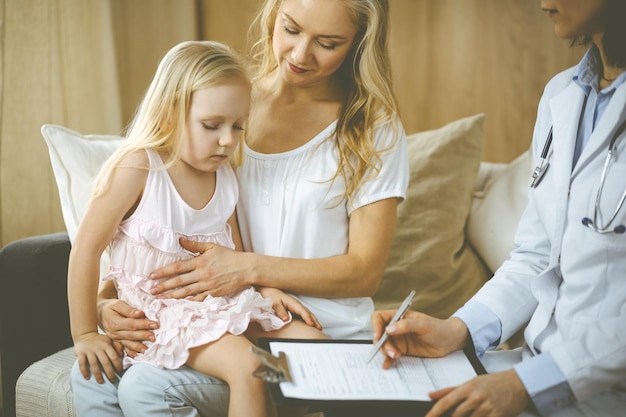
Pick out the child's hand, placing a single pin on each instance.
(97, 353)
(284, 304)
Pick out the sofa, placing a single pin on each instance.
(454, 229)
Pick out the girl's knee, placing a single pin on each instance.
(91, 398)
(142, 383)
(298, 330)
(147, 390)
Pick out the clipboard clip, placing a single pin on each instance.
(273, 369)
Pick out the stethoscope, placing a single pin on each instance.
(540, 171)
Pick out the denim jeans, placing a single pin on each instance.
(145, 390)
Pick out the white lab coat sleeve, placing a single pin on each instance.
(508, 293)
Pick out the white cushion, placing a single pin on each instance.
(76, 160)
(43, 389)
(496, 210)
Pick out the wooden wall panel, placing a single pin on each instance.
(454, 58)
(144, 30)
(228, 21)
(86, 65)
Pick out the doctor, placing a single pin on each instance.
(567, 276)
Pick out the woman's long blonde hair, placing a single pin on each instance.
(366, 74)
(159, 122)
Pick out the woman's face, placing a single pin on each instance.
(574, 18)
(312, 38)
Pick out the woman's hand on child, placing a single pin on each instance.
(217, 271)
(126, 326)
(96, 353)
(284, 304)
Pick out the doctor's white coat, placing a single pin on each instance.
(567, 279)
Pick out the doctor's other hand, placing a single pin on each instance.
(418, 334)
(501, 394)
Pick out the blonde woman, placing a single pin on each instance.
(324, 168)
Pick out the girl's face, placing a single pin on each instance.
(215, 124)
(574, 18)
(311, 39)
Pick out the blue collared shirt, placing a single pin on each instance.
(543, 379)
(587, 77)
(545, 383)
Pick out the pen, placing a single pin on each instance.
(399, 314)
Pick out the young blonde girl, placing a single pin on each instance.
(172, 178)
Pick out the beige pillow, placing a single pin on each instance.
(429, 252)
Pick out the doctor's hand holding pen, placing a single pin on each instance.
(416, 334)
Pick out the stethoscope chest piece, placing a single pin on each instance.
(540, 170)
(538, 173)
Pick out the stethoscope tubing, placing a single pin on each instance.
(541, 169)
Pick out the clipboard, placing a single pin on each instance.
(281, 370)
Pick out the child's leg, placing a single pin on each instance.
(230, 359)
(297, 329)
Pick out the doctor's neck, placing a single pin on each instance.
(610, 72)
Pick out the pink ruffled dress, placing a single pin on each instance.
(148, 239)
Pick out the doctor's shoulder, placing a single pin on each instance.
(554, 87)
(559, 82)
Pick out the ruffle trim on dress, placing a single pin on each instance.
(185, 324)
(165, 238)
(130, 258)
(125, 280)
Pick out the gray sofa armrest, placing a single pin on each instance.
(34, 320)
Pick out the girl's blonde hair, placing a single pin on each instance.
(159, 122)
(366, 74)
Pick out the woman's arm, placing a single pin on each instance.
(124, 324)
(357, 273)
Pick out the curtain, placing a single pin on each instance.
(80, 64)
